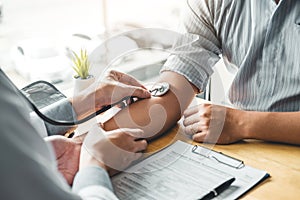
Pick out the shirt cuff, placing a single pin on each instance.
(90, 177)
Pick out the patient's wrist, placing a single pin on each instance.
(248, 123)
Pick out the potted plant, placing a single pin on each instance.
(81, 66)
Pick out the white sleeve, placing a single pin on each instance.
(28, 169)
(93, 182)
(39, 124)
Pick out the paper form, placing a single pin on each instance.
(173, 173)
(177, 173)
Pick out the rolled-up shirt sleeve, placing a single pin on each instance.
(198, 49)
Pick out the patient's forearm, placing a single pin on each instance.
(274, 126)
(157, 114)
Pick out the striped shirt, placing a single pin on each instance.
(258, 37)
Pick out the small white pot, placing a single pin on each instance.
(81, 84)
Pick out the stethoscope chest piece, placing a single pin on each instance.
(159, 89)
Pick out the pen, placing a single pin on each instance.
(218, 190)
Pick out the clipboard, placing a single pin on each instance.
(185, 171)
(219, 157)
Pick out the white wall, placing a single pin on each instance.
(220, 83)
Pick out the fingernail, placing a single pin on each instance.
(147, 93)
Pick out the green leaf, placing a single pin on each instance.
(81, 63)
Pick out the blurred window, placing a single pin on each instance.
(60, 19)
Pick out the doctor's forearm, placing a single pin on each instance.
(157, 114)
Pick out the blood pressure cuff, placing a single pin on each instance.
(52, 103)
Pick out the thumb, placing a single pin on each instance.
(137, 92)
(79, 138)
(200, 137)
(134, 132)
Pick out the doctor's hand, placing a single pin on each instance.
(113, 150)
(67, 153)
(115, 87)
(214, 124)
(118, 85)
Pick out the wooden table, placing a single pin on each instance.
(281, 161)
